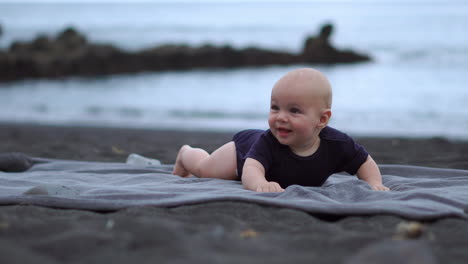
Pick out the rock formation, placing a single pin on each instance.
(70, 54)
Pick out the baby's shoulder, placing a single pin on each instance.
(332, 134)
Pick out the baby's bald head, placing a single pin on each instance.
(309, 83)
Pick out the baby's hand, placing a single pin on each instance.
(269, 187)
(379, 187)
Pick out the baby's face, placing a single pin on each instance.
(295, 113)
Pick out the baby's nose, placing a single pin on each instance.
(282, 116)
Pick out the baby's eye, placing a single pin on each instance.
(295, 110)
(274, 107)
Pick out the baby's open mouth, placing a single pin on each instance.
(283, 131)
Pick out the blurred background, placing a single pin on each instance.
(416, 85)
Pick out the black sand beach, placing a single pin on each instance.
(222, 232)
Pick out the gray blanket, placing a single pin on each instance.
(416, 192)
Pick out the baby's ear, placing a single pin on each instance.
(325, 117)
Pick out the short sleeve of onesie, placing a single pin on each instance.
(254, 144)
(349, 155)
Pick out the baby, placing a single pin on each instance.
(299, 148)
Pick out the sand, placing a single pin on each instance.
(222, 232)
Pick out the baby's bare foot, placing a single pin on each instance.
(179, 168)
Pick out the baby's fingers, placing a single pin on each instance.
(380, 188)
(276, 187)
(270, 187)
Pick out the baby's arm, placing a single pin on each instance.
(253, 178)
(369, 172)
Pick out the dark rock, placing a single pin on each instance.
(70, 54)
(71, 39)
(41, 44)
(15, 162)
(319, 49)
(18, 47)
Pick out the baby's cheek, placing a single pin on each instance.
(271, 121)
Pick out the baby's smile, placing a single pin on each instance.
(283, 132)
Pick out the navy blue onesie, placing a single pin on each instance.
(337, 153)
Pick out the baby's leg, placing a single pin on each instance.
(222, 163)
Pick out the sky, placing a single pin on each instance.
(143, 1)
(132, 1)
(177, 1)
(172, 1)
(213, 1)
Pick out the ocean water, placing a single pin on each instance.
(417, 84)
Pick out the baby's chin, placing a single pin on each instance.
(283, 137)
